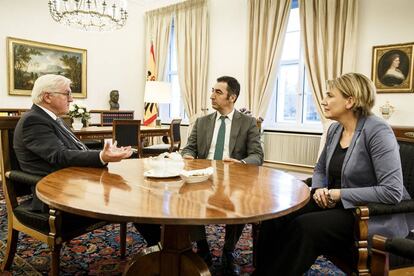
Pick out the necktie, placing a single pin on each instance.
(218, 153)
(78, 143)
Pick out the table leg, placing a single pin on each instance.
(176, 257)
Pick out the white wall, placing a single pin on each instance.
(380, 22)
(228, 40)
(115, 60)
(228, 43)
(384, 22)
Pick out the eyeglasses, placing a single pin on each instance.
(67, 93)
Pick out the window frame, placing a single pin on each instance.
(272, 120)
(171, 72)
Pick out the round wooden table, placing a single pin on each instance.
(235, 194)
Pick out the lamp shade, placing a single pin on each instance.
(157, 92)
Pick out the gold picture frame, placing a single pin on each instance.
(392, 68)
(28, 60)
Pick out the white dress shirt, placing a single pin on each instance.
(228, 121)
(48, 112)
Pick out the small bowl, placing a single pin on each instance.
(195, 178)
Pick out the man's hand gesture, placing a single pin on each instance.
(112, 153)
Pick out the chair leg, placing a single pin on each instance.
(54, 267)
(122, 238)
(12, 237)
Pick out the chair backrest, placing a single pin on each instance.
(175, 134)
(8, 157)
(259, 124)
(127, 133)
(405, 138)
(9, 162)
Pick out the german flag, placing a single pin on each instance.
(151, 109)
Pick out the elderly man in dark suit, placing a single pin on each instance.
(230, 136)
(44, 144)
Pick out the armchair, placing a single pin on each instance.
(171, 143)
(128, 133)
(381, 249)
(405, 138)
(53, 228)
(356, 262)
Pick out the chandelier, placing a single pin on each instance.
(90, 15)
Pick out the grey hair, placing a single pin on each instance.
(47, 83)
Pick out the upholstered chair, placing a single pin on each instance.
(53, 227)
(128, 133)
(383, 248)
(171, 143)
(354, 260)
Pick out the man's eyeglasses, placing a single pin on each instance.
(67, 93)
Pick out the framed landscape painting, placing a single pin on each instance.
(392, 68)
(28, 60)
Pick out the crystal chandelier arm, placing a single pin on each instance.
(89, 14)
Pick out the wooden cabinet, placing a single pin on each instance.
(98, 117)
(12, 111)
(105, 117)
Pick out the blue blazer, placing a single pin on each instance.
(371, 172)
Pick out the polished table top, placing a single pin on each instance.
(235, 193)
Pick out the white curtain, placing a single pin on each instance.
(158, 28)
(192, 34)
(328, 29)
(267, 21)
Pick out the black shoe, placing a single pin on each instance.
(204, 252)
(228, 264)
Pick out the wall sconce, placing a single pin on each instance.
(386, 110)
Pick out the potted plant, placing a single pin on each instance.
(79, 115)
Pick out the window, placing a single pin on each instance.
(176, 108)
(292, 106)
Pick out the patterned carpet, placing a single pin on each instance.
(97, 253)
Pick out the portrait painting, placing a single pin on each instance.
(392, 68)
(28, 60)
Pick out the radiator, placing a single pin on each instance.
(292, 149)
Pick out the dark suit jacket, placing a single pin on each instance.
(244, 141)
(42, 147)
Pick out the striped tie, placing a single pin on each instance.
(75, 139)
(218, 153)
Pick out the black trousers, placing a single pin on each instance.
(232, 235)
(150, 232)
(289, 245)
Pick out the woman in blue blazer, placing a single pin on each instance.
(360, 163)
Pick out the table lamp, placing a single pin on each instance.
(157, 92)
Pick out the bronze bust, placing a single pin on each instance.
(114, 98)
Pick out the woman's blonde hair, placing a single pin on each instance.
(357, 86)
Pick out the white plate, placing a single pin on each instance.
(195, 178)
(164, 174)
